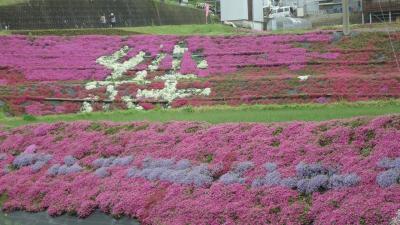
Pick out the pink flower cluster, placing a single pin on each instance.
(51, 58)
(122, 170)
(227, 54)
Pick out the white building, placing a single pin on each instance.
(246, 13)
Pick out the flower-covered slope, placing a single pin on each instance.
(52, 75)
(336, 172)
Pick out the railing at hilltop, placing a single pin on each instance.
(381, 5)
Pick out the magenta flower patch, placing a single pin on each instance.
(190, 172)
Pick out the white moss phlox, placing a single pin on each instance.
(130, 104)
(202, 64)
(169, 93)
(396, 220)
(86, 107)
(112, 62)
(303, 78)
(178, 50)
(111, 92)
(156, 63)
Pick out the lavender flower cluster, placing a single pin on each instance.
(70, 166)
(102, 164)
(3, 156)
(181, 172)
(235, 176)
(35, 160)
(309, 178)
(391, 176)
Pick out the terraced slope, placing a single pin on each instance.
(52, 75)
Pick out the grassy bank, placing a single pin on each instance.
(202, 29)
(11, 2)
(4, 32)
(223, 114)
(198, 29)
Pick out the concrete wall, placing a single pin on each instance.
(258, 14)
(232, 10)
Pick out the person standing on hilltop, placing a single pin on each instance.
(103, 21)
(113, 20)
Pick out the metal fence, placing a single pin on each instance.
(47, 14)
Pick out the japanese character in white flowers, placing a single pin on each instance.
(169, 93)
(112, 62)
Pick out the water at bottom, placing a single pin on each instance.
(42, 218)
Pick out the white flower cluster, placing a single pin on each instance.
(303, 78)
(112, 62)
(86, 107)
(169, 93)
(179, 51)
(202, 64)
(156, 63)
(130, 103)
(396, 220)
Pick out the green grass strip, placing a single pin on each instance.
(11, 2)
(224, 114)
(181, 30)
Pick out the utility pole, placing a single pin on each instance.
(346, 17)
